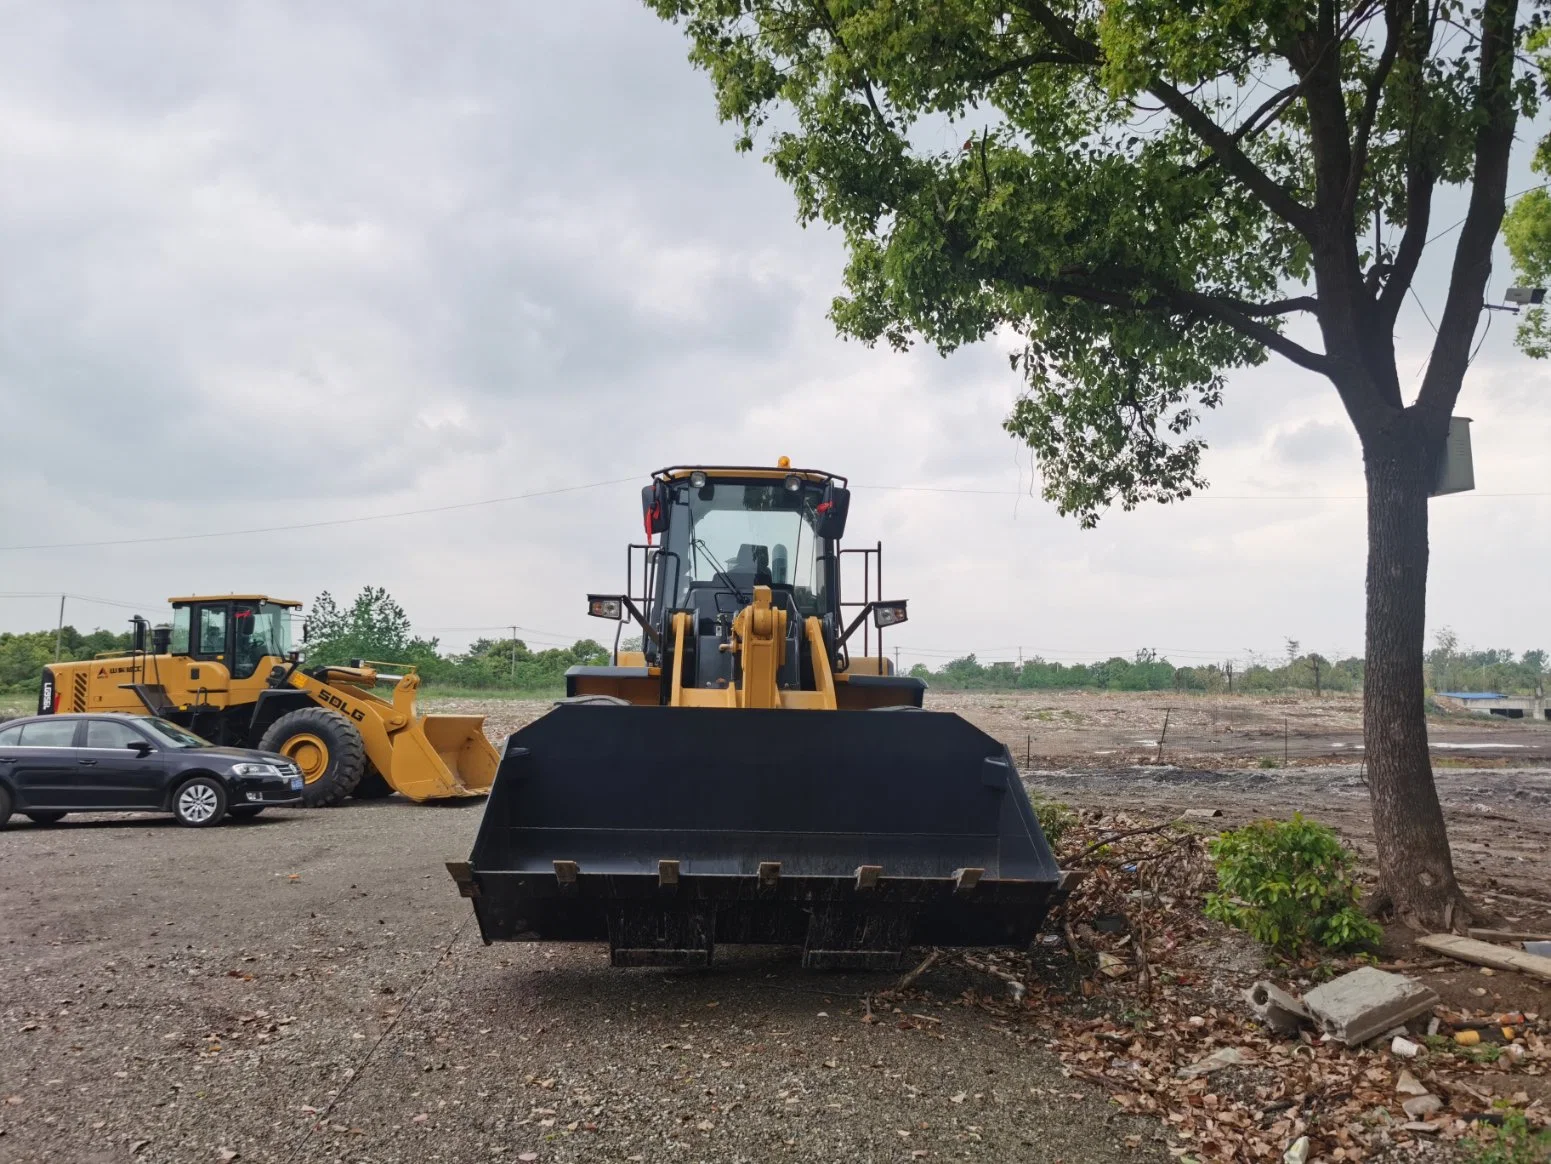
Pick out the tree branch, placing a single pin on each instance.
(1420, 181)
(1235, 160)
(1261, 333)
(1488, 198)
(1395, 33)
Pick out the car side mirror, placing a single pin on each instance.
(141, 748)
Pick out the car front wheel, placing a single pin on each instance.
(199, 803)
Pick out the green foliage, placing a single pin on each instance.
(1268, 762)
(1055, 819)
(1527, 226)
(1124, 185)
(1512, 1143)
(1144, 672)
(23, 656)
(377, 627)
(1287, 884)
(1451, 667)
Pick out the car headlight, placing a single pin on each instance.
(255, 770)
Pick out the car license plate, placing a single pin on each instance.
(296, 783)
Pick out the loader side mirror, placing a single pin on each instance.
(606, 606)
(141, 631)
(306, 629)
(888, 614)
(832, 512)
(655, 501)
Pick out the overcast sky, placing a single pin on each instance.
(271, 263)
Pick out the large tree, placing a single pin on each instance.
(1150, 194)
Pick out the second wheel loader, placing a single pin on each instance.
(225, 670)
(749, 776)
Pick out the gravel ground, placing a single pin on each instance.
(179, 995)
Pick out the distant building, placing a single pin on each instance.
(1492, 703)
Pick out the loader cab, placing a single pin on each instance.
(738, 597)
(237, 631)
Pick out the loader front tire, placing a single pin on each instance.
(372, 785)
(325, 746)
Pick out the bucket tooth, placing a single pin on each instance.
(667, 874)
(867, 877)
(769, 876)
(463, 873)
(565, 875)
(965, 880)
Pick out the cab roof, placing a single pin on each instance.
(190, 599)
(746, 472)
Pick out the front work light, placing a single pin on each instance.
(888, 614)
(697, 480)
(793, 483)
(605, 606)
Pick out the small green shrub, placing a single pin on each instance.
(1288, 883)
(1512, 1143)
(1054, 819)
(1268, 762)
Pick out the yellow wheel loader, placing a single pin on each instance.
(749, 776)
(225, 670)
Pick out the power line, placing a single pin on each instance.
(81, 598)
(227, 533)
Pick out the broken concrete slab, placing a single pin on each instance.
(1421, 1106)
(1367, 1002)
(1409, 1084)
(1282, 1012)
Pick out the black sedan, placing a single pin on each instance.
(51, 765)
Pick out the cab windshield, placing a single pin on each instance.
(736, 536)
(171, 734)
(263, 630)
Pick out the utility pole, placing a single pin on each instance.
(59, 635)
(1228, 666)
(514, 654)
(1316, 675)
(896, 660)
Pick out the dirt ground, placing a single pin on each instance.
(309, 987)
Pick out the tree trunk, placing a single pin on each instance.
(1417, 870)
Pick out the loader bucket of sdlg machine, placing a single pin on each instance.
(442, 757)
(749, 775)
(853, 834)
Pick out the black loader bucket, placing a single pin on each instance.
(665, 831)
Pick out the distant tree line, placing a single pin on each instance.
(374, 626)
(23, 656)
(1449, 668)
(1146, 671)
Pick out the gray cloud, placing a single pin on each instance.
(270, 263)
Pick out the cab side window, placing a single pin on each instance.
(107, 733)
(209, 631)
(44, 733)
(11, 736)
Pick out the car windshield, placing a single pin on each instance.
(739, 536)
(172, 735)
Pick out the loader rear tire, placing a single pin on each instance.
(372, 785)
(328, 749)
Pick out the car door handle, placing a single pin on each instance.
(86, 761)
